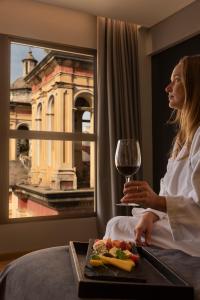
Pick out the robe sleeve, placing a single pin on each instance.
(184, 210)
(160, 214)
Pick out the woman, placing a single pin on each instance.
(172, 218)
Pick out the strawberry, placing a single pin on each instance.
(129, 246)
(108, 244)
(135, 258)
(123, 245)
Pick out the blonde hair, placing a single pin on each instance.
(188, 118)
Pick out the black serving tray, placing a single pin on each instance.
(158, 280)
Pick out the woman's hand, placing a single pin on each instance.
(144, 228)
(141, 193)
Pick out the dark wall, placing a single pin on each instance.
(162, 66)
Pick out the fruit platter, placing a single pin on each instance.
(113, 260)
(117, 253)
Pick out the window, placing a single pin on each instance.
(48, 112)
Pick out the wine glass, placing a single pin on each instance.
(128, 160)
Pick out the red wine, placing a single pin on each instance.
(127, 170)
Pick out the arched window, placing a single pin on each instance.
(22, 147)
(82, 119)
(39, 117)
(50, 114)
(82, 115)
(38, 127)
(50, 127)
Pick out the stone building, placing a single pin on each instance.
(56, 94)
(21, 108)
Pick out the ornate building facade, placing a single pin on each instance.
(56, 94)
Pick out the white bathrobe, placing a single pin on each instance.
(179, 228)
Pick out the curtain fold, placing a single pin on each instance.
(117, 110)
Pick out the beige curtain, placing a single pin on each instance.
(118, 108)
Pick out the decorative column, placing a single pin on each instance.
(92, 151)
(63, 175)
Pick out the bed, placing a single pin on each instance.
(47, 274)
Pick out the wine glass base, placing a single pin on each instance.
(129, 204)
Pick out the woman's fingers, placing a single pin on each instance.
(138, 198)
(135, 187)
(135, 182)
(143, 231)
(138, 236)
(134, 195)
(148, 236)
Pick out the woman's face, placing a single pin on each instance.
(175, 88)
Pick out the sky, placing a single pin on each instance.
(19, 52)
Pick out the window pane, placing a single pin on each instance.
(50, 177)
(51, 90)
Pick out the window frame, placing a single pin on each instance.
(6, 133)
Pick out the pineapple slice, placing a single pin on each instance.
(96, 262)
(113, 251)
(128, 253)
(124, 264)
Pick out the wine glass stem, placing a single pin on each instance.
(128, 179)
